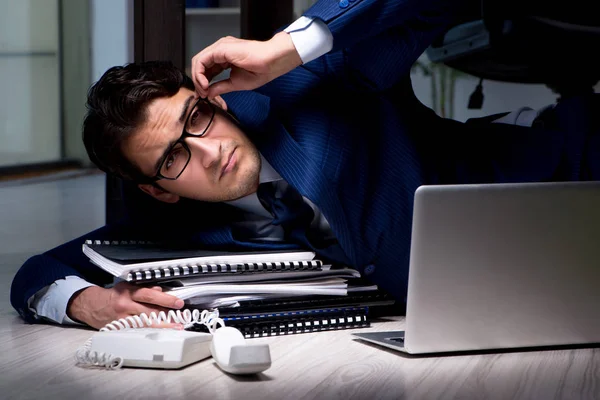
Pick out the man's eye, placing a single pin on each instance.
(170, 159)
(194, 117)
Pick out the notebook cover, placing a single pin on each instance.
(126, 252)
(214, 260)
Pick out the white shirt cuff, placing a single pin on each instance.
(311, 37)
(51, 302)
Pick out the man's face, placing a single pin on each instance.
(224, 164)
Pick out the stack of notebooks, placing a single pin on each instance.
(262, 293)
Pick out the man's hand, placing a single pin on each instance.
(98, 306)
(252, 63)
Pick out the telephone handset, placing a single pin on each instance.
(132, 342)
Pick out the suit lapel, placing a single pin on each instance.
(289, 159)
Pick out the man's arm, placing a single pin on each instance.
(51, 303)
(93, 305)
(41, 270)
(352, 22)
(375, 44)
(387, 36)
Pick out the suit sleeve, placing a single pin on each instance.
(376, 42)
(68, 259)
(351, 22)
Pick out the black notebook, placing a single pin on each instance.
(143, 261)
(299, 321)
(373, 299)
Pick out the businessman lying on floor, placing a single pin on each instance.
(316, 141)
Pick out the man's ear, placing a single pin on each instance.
(219, 102)
(158, 193)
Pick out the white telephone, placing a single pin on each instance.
(131, 342)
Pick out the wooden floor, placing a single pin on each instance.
(36, 361)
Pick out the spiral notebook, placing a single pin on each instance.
(376, 299)
(303, 324)
(295, 322)
(144, 262)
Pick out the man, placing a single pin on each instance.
(321, 120)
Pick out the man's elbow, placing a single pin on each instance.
(24, 286)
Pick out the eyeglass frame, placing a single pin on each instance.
(184, 135)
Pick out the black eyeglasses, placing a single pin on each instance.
(178, 156)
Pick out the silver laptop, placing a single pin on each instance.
(501, 266)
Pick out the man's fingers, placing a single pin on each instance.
(201, 80)
(154, 297)
(205, 73)
(201, 83)
(166, 325)
(203, 61)
(220, 55)
(222, 51)
(148, 310)
(215, 70)
(239, 79)
(218, 88)
(199, 74)
(227, 52)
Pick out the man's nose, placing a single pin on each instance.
(206, 150)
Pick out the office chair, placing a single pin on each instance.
(529, 42)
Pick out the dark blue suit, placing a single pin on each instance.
(348, 133)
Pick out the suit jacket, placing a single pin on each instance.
(348, 133)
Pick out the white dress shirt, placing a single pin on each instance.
(311, 37)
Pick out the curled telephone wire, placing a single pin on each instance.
(188, 318)
(85, 357)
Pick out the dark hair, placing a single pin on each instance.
(117, 106)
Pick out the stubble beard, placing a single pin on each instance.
(248, 179)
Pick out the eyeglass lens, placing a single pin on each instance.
(177, 159)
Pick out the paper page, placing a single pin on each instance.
(193, 291)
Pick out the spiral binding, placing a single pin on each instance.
(85, 357)
(175, 271)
